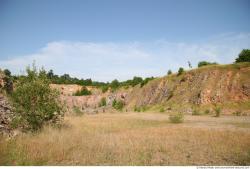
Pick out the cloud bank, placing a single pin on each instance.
(107, 61)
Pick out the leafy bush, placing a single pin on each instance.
(137, 109)
(114, 103)
(35, 103)
(180, 71)
(102, 102)
(238, 113)
(176, 117)
(205, 63)
(196, 112)
(83, 92)
(207, 111)
(217, 111)
(244, 56)
(77, 111)
(162, 110)
(143, 108)
(105, 89)
(146, 80)
(118, 105)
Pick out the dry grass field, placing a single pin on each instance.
(134, 139)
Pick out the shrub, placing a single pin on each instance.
(146, 80)
(217, 111)
(162, 110)
(77, 111)
(244, 56)
(137, 109)
(205, 63)
(176, 117)
(118, 105)
(136, 80)
(207, 111)
(114, 103)
(35, 103)
(105, 89)
(238, 113)
(180, 71)
(83, 92)
(143, 108)
(102, 102)
(196, 112)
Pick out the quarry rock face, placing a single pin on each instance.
(201, 86)
(6, 112)
(86, 103)
(6, 115)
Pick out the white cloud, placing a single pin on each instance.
(107, 61)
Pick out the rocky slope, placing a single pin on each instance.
(221, 84)
(227, 85)
(6, 113)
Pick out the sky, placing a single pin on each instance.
(108, 39)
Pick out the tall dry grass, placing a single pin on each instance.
(122, 139)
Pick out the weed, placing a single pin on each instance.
(176, 117)
(217, 111)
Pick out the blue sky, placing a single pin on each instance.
(107, 39)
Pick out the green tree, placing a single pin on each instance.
(8, 81)
(189, 65)
(169, 72)
(114, 84)
(180, 71)
(50, 74)
(244, 56)
(136, 80)
(34, 101)
(7, 72)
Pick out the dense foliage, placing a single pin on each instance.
(244, 56)
(169, 72)
(8, 80)
(83, 92)
(180, 71)
(118, 105)
(34, 101)
(205, 63)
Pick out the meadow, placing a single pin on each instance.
(133, 139)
